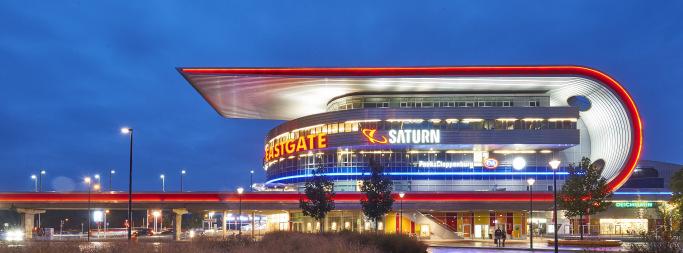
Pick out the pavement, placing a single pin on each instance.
(540, 245)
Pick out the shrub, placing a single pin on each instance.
(273, 243)
(660, 243)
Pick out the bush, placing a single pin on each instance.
(272, 243)
(335, 242)
(660, 243)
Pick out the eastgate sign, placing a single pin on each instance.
(304, 143)
(404, 136)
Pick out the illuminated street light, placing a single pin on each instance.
(88, 181)
(129, 131)
(40, 180)
(182, 174)
(35, 181)
(156, 215)
(163, 183)
(240, 190)
(99, 180)
(111, 174)
(531, 182)
(555, 164)
(400, 219)
(251, 180)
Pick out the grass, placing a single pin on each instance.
(273, 243)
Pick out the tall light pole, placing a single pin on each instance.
(163, 183)
(111, 174)
(156, 215)
(182, 174)
(531, 182)
(40, 180)
(555, 164)
(99, 180)
(240, 190)
(35, 181)
(105, 222)
(251, 180)
(129, 131)
(40, 189)
(88, 182)
(400, 217)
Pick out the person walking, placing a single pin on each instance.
(503, 236)
(497, 236)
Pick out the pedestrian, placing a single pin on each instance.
(497, 234)
(503, 236)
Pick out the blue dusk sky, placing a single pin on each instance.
(73, 72)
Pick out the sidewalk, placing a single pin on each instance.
(540, 244)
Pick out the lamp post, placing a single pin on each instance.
(99, 180)
(182, 173)
(40, 180)
(105, 222)
(531, 182)
(88, 181)
(111, 174)
(240, 190)
(163, 183)
(61, 225)
(129, 131)
(400, 216)
(251, 180)
(35, 181)
(156, 215)
(555, 164)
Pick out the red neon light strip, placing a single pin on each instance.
(259, 197)
(636, 122)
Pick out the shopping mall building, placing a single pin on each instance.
(442, 130)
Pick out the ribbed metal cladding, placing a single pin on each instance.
(607, 122)
(286, 96)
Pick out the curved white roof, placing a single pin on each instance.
(612, 121)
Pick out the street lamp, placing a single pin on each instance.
(400, 217)
(40, 180)
(163, 183)
(156, 215)
(111, 174)
(129, 131)
(88, 182)
(35, 180)
(99, 180)
(182, 173)
(531, 182)
(555, 164)
(240, 190)
(251, 180)
(61, 225)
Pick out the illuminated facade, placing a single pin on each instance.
(455, 129)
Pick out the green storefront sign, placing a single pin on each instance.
(634, 204)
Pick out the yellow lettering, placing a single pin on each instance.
(290, 146)
(322, 140)
(310, 141)
(301, 145)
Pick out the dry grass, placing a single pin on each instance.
(272, 243)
